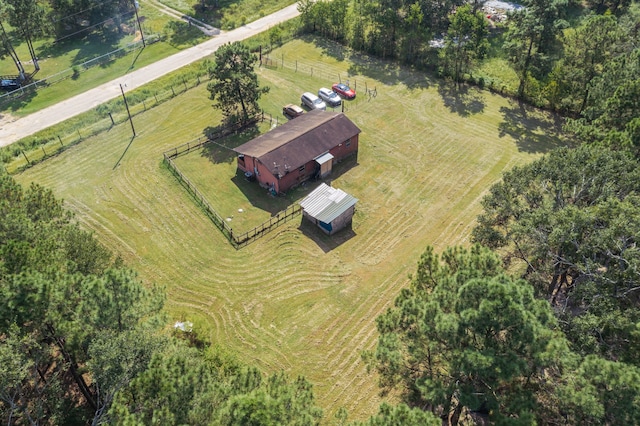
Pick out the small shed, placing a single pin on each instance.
(331, 209)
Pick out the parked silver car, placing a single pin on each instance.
(311, 101)
(330, 97)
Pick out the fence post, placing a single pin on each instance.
(60, 141)
(155, 95)
(282, 66)
(45, 152)
(173, 91)
(26, 158)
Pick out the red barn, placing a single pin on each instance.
(305, 147)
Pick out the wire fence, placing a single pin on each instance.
(238, 240)
(75, 71)
(363, 88)
(109, 116)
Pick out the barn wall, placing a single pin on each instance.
(295, 177)
(344, 149)
(264, 177)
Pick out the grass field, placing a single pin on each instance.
(228, 14)
(56, 58)
(296, 300)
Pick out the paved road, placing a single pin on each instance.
(15, 130)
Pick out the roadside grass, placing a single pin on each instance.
(228, 14)
(56, 58)
(63, 135)
(297, 300)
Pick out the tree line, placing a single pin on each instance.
(566, 54)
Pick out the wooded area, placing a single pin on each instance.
(537, 322)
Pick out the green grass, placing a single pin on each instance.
(297, 300)
(58, 57)
(230, 13)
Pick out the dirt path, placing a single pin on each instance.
(12, 131)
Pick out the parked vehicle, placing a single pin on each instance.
(9, 84)
(329, 97)
(311, 101)
(292, 111)
(344, 90)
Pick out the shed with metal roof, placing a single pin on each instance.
(331, 209)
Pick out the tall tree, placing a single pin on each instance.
(61, 291)
(29, 17)
(234, 84)
(467, 335)
(586, 50)
(531, 37)
(572, 219)
(7, 47)
(465, 42)
(182, 386)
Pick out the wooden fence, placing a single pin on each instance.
(275, 221)
(237, 240)
(217, 134)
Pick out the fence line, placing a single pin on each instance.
(55, 144)
(274, 222)
(364, 90)
(237, 240)
(70, 72)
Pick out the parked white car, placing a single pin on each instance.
(329, 97)
(311, 101)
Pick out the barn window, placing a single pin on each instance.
(241, 160)
(348, 143)
(301, 169)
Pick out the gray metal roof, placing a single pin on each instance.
(324, 158)
(326, 203)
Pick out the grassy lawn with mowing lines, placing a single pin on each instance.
(297, 300)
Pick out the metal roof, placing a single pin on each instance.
(324, 158)
(300, 140)
(326, 203)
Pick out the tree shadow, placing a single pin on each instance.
(220, 150)
(324, 241)
(534, 130)
(387, 72)
(461, 99)
(183, 34)
(328, 47)
(22, 98)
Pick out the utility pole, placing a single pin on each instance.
(136, 5)
(128, 113)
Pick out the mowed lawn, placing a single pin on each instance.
(296, 300)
